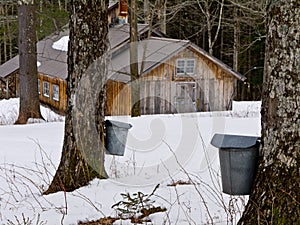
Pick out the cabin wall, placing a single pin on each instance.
(209, 89)
(216, 86)
(59, 105)
(118, 99)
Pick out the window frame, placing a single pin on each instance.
(46, 90)
(184, 68)
(55, 92)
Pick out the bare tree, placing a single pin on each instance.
(83, 150)
(207, 8)
(28, 77)
(275, 196)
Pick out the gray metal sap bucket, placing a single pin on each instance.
(116, 135)
(238, 160)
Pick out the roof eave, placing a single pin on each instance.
(218, 62)
(166, 58)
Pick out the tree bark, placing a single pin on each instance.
(275, 196)
(134, 70)
(29, 97)
(83, 150)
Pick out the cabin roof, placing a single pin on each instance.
(53, 62)
(153, 52)
(9, 67)
(218, 62)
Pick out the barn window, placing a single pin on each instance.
(39, 86)
(185, 67)
(46, 89)
(55, 92)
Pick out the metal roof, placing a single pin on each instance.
(218, 62)
(153, 52)
(9, 67)
(120, 34)
(54, 62)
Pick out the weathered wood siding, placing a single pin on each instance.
(216, 86)
(118, 99)
(60, 105)
(213, 86)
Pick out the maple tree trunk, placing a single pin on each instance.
(275, 196)
(83, 149)
(28, 77)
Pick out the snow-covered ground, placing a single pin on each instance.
(161, 149)
(9, 110)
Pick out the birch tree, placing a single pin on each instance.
(83, 149)
(212, 11)
(275, 196)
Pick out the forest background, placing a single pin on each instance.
(231, 30)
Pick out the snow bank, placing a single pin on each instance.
(246, 109)
(9, 110)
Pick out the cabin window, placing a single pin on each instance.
(185, 67)
(55, 92)
(39, 86)
(46, 89)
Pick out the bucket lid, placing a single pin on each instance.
(117, 124)
(233, 141)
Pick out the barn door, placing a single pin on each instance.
(185, 98)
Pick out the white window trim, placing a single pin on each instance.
(53, 97)
(44, 89)
(185, 60)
